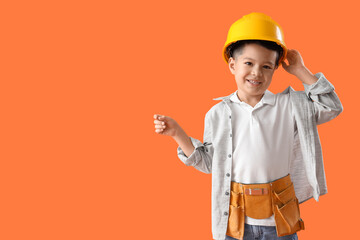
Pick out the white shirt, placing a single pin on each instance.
(263, 137)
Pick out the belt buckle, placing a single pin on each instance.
(256, 191)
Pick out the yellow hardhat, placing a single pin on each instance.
(255, 26)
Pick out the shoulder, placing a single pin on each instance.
(218, 109)
(284, 96)
(296, 96)
(288, 97)
(289, 94)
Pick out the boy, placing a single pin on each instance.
(262, 149)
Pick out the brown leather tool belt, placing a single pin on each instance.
(261, 201)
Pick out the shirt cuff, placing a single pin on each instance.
(195, 155)
(321, 86)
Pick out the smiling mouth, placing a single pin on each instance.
(253, 82)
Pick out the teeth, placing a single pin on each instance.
(253, 82)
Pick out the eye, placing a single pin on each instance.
(267, 67)
(248, 63)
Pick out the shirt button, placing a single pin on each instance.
(230, 135)
(230, 116)
(228, 174)
(225, 213)
(226, 193)
(229, 155)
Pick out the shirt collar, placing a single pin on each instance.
(268, 97)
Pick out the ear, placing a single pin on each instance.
(231, 62)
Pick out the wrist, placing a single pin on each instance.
(179, 134)
(301, 71)
(306, 76)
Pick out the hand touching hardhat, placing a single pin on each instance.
(296, 66)
(295, 62)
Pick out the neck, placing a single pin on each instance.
(251, 100)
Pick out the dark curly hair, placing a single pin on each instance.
(236, 48)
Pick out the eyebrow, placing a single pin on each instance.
(254, 60)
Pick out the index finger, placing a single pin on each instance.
(158, 116)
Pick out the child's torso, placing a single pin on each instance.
(262, 142)
(262, 139)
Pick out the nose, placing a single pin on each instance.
(256, 71)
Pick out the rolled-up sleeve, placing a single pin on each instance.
(326, 103)
(201, 157)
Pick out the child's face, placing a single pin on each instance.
(255, 63)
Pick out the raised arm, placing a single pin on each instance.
(326, 103)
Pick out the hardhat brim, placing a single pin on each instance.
(283, 57)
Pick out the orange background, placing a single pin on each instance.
(81, 80)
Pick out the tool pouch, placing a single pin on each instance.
(258, 201)
(261, 201)
(236, 215)
(286, 211)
